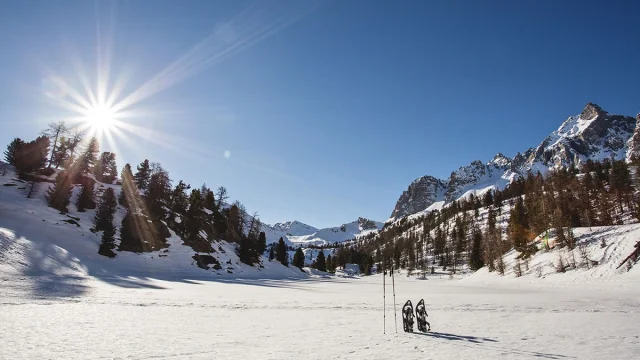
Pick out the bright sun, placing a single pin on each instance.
(101, 117)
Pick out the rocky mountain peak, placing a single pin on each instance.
(500, 161)
(422, 192)
(591, 111)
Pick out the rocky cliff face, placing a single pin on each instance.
(419, 195)
(593, 134)
(634, 142)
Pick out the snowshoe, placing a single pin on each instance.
(421, 316)
(407, 316)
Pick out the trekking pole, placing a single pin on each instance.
(384, 303)
(395, 312)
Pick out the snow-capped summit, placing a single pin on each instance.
(593, 134)
(500, 161)
(295, 228)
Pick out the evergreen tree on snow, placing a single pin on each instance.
(298, 259)
(105, 211)
(85, 198)
(58, 196)
(320, 263)
(12, 150)
(179, 199)
(272, 252)
(475, 258)
(105, 169)
(89, 158)
(261, 246)
(32, 156)
(281, 253)
(108, 241)
(193, 217)
(158, 190)
(143, 175)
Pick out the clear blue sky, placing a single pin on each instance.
(332, 115)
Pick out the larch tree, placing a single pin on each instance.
(55, 131)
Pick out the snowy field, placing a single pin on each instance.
(51, 317)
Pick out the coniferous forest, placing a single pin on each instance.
(477, 231)
(154, 203)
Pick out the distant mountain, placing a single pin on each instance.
(295, 228)
(593, 134)
(325, 236)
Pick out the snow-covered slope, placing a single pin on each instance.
(38, 240)
(337, 234)
(598, 253)
(593, 134)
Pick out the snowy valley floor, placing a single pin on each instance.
(52, 317)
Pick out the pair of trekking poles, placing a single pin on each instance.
(407, 310)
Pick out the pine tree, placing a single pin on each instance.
(210, 200)
(59, 195)
(106, 210)
(105, 169)
(108, 241)
(298, 259)
(158, 191)
(85, 198)
(320, 261)
(281, 253)
(193, 217)
(88, 159)
(143, 175)
(261, 246)
(272, 252)
(234, 224)
(32, 156)
(179, 200)
(475, 258)
(12, 150)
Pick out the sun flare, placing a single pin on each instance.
(100, 117)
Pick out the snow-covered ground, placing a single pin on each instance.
(59, 299)
(59, 317)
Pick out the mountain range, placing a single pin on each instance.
(296, 232)
(593, 134)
